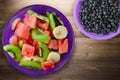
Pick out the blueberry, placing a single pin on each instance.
(109, 26)
(100, 16)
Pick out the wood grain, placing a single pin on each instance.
(90, 60)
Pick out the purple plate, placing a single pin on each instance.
(41, 9)
(81, 27)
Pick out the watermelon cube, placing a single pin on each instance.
(50, 34)
(36, 45)
(30, 20)
(22, 31)
(53, 44)
(47, 32)
(44, 65)
(63, 46)
(28, 50)
(48, 64)
(51, 63)
(13, 40)
(28, 41)
(43, 25)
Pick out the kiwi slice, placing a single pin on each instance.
(44, 51)
(39, 35)
(20, 43)
(14, 50)
(11, 54)
(30, 64)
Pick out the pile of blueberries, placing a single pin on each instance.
(100, 16)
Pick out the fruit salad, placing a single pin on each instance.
(38, 40)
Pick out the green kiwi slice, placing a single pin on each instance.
(15, 50)
(20, 43)
(30, 64)
(44, 52)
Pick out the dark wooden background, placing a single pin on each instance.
(90, 60)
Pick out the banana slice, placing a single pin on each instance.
(60, 32)
(24, 58)
(40, 52)
(54, 56)
(33, 58)
(15, 23)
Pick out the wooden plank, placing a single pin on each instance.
(66, 5)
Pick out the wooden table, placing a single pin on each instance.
(90, 60)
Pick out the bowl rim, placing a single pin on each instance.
(14, 63)
(89, 34)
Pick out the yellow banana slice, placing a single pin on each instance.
(24, 58)
(60, 32)
(36, 58)
(33, 58)
(54, 56)
(15, 23)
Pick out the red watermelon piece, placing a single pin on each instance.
(28, 50)
(29, 40)
(48, 64)
(13, 40)
(30, 20)
(63, 46)
(53, 44)
(22, 31)
(43, 25)
(36, 45)
(45, 65)
(51, 63)
(47, 32)
(51, 34)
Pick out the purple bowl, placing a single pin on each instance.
(42, 10)
(89, 34)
